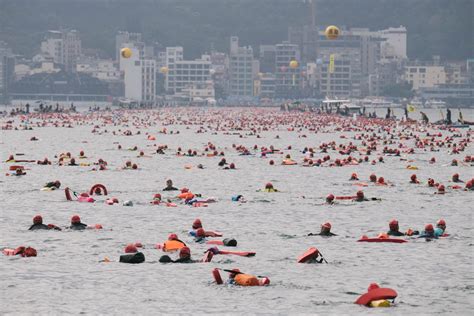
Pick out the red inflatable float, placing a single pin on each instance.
(67, 191)
(376, 293)
(98, 188)
(378, 239)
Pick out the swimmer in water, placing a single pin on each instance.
(72, 162)
(394, 230)
(238, 198)
(440, 228)
(354, 177)
(428, 233)
(19, 172)
(200, 236)
(413, 179)
(76, 223)
(456, 179)
(38, 224)
(325, 231)
(132, 255)
(330, 199)
(269, 188)
(169, 186)
(183, 257)
(53, 185)
(360, 197)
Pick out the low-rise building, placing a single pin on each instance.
(425, 76)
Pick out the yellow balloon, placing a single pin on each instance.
(126, 52)
(164, 70)
(332, 32)
(293, 64)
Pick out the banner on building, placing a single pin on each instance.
(331, 63)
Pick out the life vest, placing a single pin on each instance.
(186, 195)
(246, 280)
(173, 245)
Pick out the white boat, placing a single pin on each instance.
(331, 106)
(377, 103)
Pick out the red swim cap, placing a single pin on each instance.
(184, 190)
(441, 188)
(75, 219)
(29, 252)
(413, 177)
(131, 248)
(184, 252)
(354, 176)
(38, 219)
(381, 180)
(360, 194)
(271, 162)
(373, 286)
(393, 224)
(157, 196)
(469, 184)
(326, 225)
(441, 222)
(330, 198)
(197, 223)
(200, 232)
(429, 228)
(373, 177)
(269, 185)
(172, 237)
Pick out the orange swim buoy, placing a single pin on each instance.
(186, 196)
(246, 280)
(173, 245)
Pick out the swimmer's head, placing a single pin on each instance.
(75, 219)
(37, 220)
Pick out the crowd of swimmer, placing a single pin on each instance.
(374, 139)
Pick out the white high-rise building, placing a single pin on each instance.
(287, 78)
(123, 38)
(64, 47)
(182, 73)
(241, 69)
(395, 45)
(139, 77)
